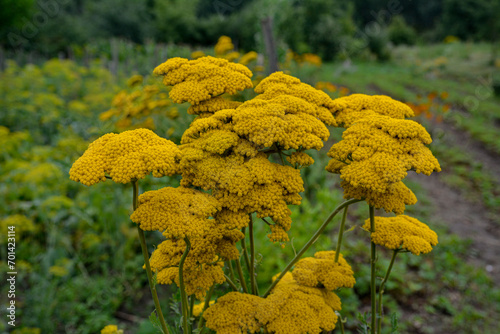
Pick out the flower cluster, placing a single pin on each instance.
(403, 232)
(111, 329)
(291, 308)
(377, 149)
(322, 271)
(185, 213)
(358, 106)
(128, 156)
(223, 46)
(198, 80)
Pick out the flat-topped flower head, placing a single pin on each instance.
(357, 106)
(375, 154)
(198, 308)
(179, 212)
(199, 80)
(292, 308)
(233, 313)
(394, 199)
(223, 46)
(322, 271)
(128, 156)
(403, 232)
(300, 159)
(279, 83)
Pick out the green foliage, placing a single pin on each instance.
(400, 33)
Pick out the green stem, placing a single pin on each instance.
(208, 296)
(244, 248)
(184, 299)
(310, 242)
(231, 283)
(145, 254)
(240, 274)
(381, 290)
(253, 281)
(191, 307)
(341, 234)
(373, 260)
(231, 270)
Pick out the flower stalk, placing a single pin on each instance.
(142, 239)
(381, 289)
(341, 234)
(310, 242)
(253, 280)
(182, 287)
(373, 261)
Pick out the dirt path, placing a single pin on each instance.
(468, 220)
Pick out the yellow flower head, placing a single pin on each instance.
(357, 106)
(180, 212)
(300, 159)
(127, 156)
(377, 151)
(197, 54)
(234, 313)
(135, 80)
(295, 309)
(279, 83)
(111, 329)
(322, 271)
(198, 80)
(403, 232)
(394, 199)
(224, 45)
(248, 57)
(198, 308)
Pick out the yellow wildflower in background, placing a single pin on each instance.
(233, 313)
(135, 80)
(197, 54)
(248, 57)
(201, 79)
(111, 329)
(224, 45)
(403, 232)
(198, 308)
(127, 156)
(357, 106)
(322, 271)
(292, 308)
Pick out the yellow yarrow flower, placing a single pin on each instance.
(212, 105)
(248, 57)
(279, 83)
(180, 212)
(292, 308)
(233, 313)
(198, 308)
(300, 159)
(111, 329)
(128, 156)
(403, 232)
(322, 271)
(394, 199)
(199, 80)
(224, 45)
(357, 106)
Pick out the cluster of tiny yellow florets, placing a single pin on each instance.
(212, 105)
(128, 156)
(375, 154)
(198, 308)
(320, 105)
(139, 105)
(403, 232)
(357, 106)
(198, 80)
(289, 309)
(234, 313)
(180, 212)
(300, 159)
(322, 271)
(292, 308)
